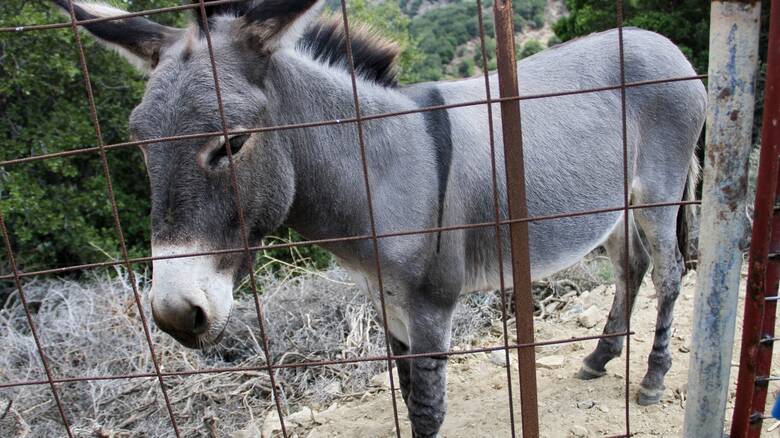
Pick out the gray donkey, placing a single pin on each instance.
(280, 64)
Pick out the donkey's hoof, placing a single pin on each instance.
(588, 373)
(647, 397)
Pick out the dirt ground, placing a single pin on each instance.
(478, 400)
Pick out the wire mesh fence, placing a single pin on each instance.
(508, 103)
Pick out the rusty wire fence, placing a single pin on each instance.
(509, 105)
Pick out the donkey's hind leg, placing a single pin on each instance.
(638, 261)
(659, 226)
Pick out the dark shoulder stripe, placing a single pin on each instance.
(437, 124)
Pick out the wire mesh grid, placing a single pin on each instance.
(510, 106)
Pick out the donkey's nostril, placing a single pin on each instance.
(199, 320)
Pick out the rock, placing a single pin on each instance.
(586, 404)
(572, 311)
(550, 362)
(579, 432)
(585, 299)
(304, 417)
(602, 408)
(498, 358)
(382, 379)
(333, 388)
(590, 317)
(250, 431)
(271, 424)
(684, 349)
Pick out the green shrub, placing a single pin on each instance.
(466, 68)
(529, 48)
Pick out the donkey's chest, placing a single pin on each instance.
(395, 301)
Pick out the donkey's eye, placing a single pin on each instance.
(219, 156)
(237, 142)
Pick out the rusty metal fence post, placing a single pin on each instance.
(764, 265)
(518, 231)
(733, 64)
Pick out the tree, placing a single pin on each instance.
(57, 210)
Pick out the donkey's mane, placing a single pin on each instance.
(375, 58)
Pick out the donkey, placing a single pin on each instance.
(280, 64)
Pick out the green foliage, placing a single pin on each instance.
(466, 68)
(441, 30)
(529, 48)
(388, 19)
(553, 40)
(490, 50)
(57, 210)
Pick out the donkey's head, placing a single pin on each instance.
(194, 206)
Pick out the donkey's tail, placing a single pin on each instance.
(688, 217)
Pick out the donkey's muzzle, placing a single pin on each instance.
(183, 316)
(191, 298)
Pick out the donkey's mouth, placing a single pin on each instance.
(199, 342)
(217, 339)
(185, 339)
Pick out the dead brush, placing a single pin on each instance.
(92, 328)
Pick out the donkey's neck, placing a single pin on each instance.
(330, 198)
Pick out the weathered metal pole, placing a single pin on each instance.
(518, 231)
(763, 269)
(733, 65)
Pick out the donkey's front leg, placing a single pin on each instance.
(429, 332)
(403, 365)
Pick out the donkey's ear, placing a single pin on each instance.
(272, 24)
(135, 38)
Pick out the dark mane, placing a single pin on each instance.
(374, 57)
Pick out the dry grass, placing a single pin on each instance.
(92, 328)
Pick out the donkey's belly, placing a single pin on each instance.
(554, 245)
(559, 243)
